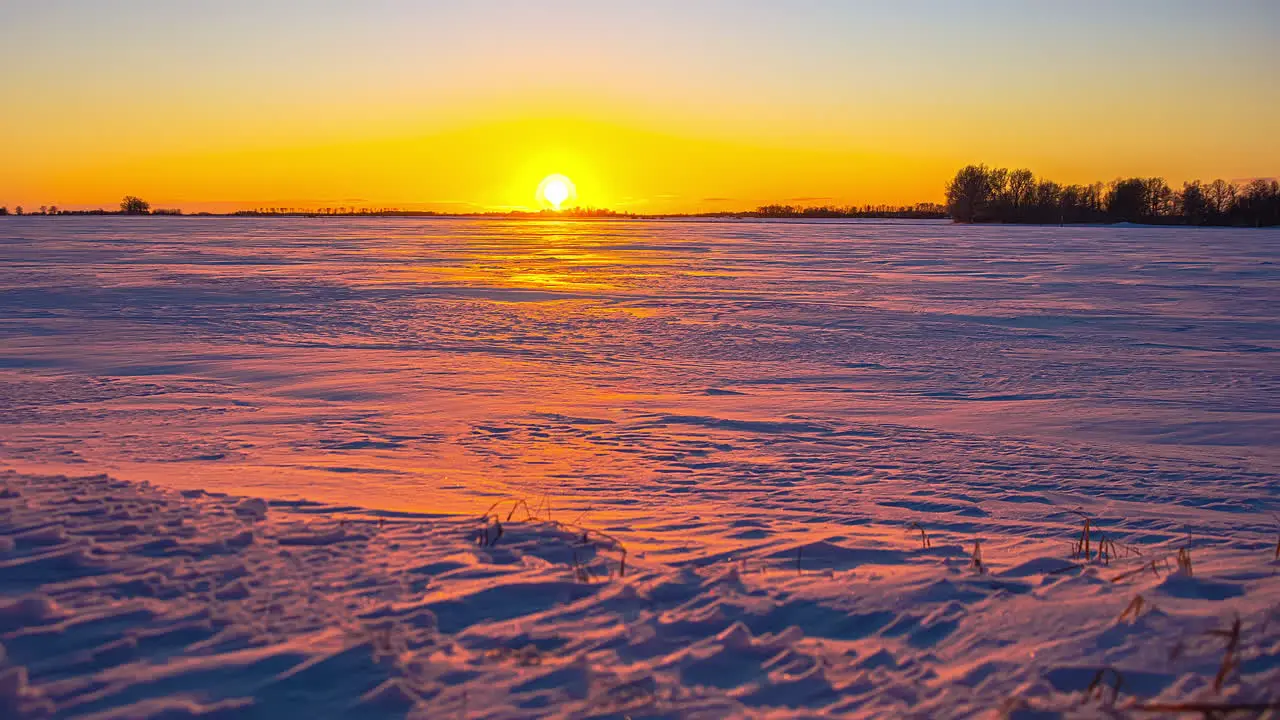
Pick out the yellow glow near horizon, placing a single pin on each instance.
(651, 107)
(555, 190)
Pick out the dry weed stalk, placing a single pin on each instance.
(977, 558)
(1154, 566)
(1097, 685)
(1082, 546)
(925, 543)
(1134, 608)
(1230, 655)
(1106, 549)
(1184, 561)
(492, 520)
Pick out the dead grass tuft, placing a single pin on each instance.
(1083, 548)
(1184, 561)
(976, 558)
(492, 531)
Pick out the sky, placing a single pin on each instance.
(656, 106)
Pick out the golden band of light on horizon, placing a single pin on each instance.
(653, 107)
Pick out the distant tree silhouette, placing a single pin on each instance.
(919, 211)
(978, 193)
(1193, 204)
(1020, 193)
(1127, 201)
(4, 210)
(1222, 197)
(969, 194)
(132, 205)
(1259, 203)
(19, 210)
(53, 209)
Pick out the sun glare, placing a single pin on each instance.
(556, 190)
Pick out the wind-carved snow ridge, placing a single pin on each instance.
(125, 600)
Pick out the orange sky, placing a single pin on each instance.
(652, 107)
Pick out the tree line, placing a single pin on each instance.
(130, 205)
(919, 211)
(979, 194)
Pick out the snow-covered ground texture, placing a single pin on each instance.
(742, 469)
(123, 600)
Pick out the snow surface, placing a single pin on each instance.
(713, 446)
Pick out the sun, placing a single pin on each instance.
(556, 190)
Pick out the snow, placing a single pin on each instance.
(437, 469)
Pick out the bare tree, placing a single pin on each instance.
(1193, 204)
(1022, 184)
(1221, 196)
(132, 205)
(969, 193)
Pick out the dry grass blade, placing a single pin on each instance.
(977, 558)
(1082, 546)
(1154, 566)
(532, 514)
(925, 543)
(1106, 549)
(1134, 608)
(1184, 561)
(1230, 655)
(1097, 685)
(528, 514)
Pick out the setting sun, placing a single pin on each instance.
(555, 190)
